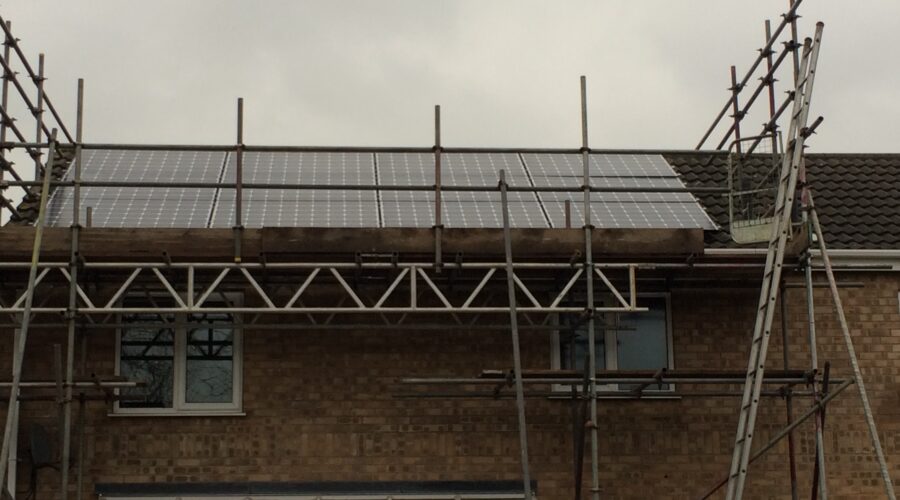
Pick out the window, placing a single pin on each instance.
(188, 363)
(634, 341)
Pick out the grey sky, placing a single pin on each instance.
(505, 73)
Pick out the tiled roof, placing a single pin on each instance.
(28, 208)
(857, 195)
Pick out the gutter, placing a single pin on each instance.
(885, 260)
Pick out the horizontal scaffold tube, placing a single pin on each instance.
(366, 187)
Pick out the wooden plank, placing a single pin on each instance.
(526, 242)
(343, 243)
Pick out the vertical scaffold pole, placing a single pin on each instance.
(22, 337)
(851, 353)
(589, 306)
(72, 313)
(788, 396)
(820, 483)
(438, 221)
(239, 182)
(514, 328)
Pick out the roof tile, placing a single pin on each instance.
(857, 195)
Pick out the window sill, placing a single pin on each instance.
(624, 397)
(194, 413)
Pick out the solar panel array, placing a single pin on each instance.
(384, 207)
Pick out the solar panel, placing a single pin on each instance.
(459, 208)
(615, 209)
(183, 207)
(141, 207)
(301, 207)
(629, 215)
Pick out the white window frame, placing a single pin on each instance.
(612, 355)
(179, 405)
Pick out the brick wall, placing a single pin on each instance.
(322, 406)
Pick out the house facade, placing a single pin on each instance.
(236, 401)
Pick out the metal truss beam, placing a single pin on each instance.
(188, 287)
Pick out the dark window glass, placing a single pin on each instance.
(642, 340)
(147, 354)
(573, 347)
(209, 368)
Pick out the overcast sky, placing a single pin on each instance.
(505, 73)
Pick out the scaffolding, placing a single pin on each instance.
(461, 290)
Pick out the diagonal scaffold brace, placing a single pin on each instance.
(22, 336)
(851, 352)
(514, 329)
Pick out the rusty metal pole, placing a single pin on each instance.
(788, 396)
(736, 110)
(792, 12)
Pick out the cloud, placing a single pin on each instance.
(506, 73)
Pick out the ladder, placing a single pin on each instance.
(781, 232)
